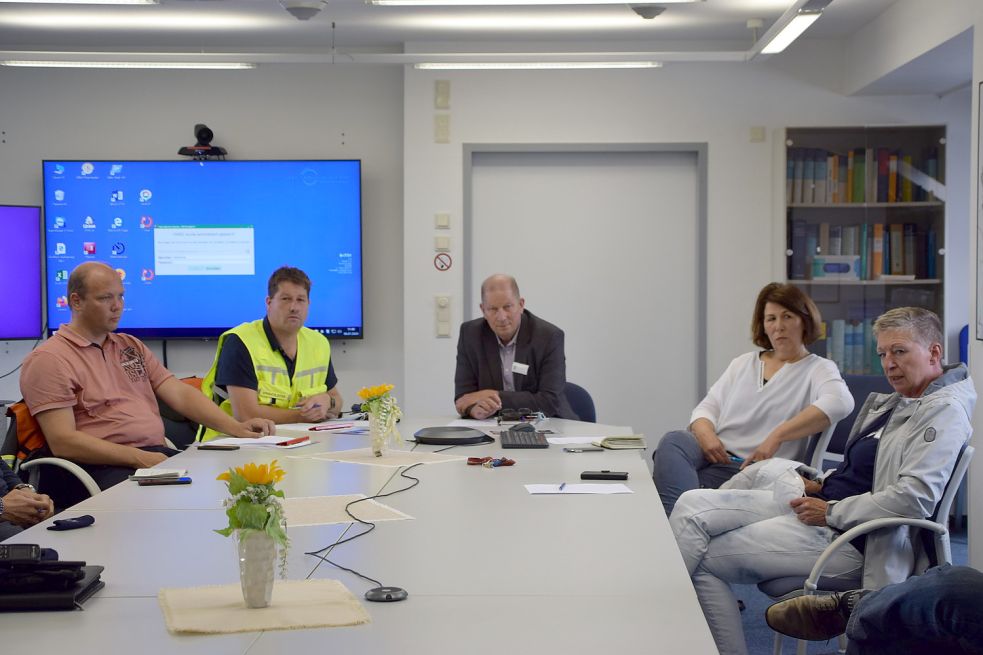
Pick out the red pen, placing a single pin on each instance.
(291, 442)
(331, 426)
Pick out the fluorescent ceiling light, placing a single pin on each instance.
(790, 32)
(84, 2)
(79, 18)
(535, 65)
(204, 65)
(485, 3)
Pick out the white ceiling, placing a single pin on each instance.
(264, 26)
(262, 31)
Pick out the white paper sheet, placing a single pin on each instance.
(589, 488)
(566, 441)
(272, 441)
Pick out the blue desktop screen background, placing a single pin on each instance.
(302, 213)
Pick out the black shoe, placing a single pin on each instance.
(813, 618)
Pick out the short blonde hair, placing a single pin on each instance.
(922, 324)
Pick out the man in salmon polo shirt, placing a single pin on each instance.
(94, 391)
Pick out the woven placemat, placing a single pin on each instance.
(296, 604)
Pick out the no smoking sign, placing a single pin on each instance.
(442, 261)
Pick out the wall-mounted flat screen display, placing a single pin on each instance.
(20, 273)
(196, 241)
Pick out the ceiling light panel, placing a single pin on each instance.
(131, 19)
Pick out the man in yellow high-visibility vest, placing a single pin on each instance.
(275, 367)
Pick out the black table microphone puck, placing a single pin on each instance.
(386, 594)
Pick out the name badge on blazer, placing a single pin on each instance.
(521, 369)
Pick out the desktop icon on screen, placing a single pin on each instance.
(89, 247)
(116, 196)
(59, 195)
(62, 302)
(59, 169)
(147, 274)
(87, 168)
(145, 195)
(59, 222)
(60, 249)
(121, 273)
(118, 248)
(116, 169)
(146, 222)
(117, 222)
(89, 223)
(61, 275)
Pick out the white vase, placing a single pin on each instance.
(257, 564)
(376, 432)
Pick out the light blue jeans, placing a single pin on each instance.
(742, 536)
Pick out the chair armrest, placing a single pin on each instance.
(821, 446)
(71, 467)
(864, 528)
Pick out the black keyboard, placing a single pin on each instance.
(522, 439)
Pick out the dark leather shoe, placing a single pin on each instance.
(814, 618)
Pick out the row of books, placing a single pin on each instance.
(868, 251)
(852, 347)
(816, 176)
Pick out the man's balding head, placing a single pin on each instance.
(77, 281)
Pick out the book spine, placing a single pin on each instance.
(797, 177)
(835, 240)
(906, 190)
(877, 252)
(797, 266)
(859, 176)
(819, 196)
(831, 173)
(909, 248)
(870, 179)
(841, 181)
(808, 178)
(850, 173)
(897, 249)
(849, 246)
(931, 255)
(789, 175)
(812, 245)
(863, 275)
(869, 348)
(892, 179)
(882, 165)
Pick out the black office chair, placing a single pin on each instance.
(580, 402)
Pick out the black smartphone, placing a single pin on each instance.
(583, 449)
(604, 475)
(162, 481)
(20, 552)
(218, 446)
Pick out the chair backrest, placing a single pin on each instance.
(24, 431)
(940, 541)
(580, 402)
(818, 444)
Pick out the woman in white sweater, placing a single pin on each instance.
(764, 405)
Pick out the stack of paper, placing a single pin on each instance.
(280, 441)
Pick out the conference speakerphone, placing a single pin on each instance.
(448, 435)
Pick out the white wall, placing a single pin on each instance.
(712, 103)
(273, 112)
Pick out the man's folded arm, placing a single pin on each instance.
(66, 441)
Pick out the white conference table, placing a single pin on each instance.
(488, 566)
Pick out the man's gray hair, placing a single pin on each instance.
(922, 324)
(498, 279)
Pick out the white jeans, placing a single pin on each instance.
(743, 536)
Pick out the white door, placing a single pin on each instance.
(604, 245)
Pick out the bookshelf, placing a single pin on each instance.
(865, 229)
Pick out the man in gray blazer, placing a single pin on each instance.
(510, 359)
